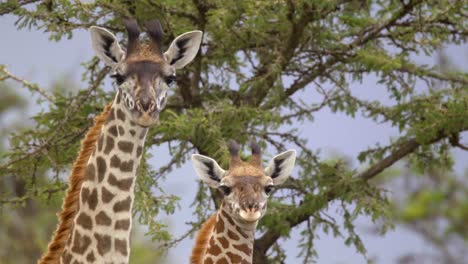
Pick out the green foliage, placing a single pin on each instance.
(264, 67)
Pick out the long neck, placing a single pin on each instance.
(103, 221)
(231, 240)
(70, 202)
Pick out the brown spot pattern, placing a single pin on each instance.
(107, 196)
(93, 199)
(214, 249)
(101, 168)
(243, 248)
(110, 117)
(126, 166)
(219, 225)
(100, 142)
(125, 146)
(85, 221)
(103, 243)
(132, 132)
(241, 232)
(123, 184)
(224, 242)
(103, 219)
(143, 134)
(109, 145)
(120, 115)
(228, 217)
(234, 257)
(139, 150)
(122, 224)
(121, 246)
(232, 235)
(222, 261)
(90, 257)
(123, 205)
(115, 162)
(84, 195)
(121, 131)
(66, 257)
(91, 172)
(80, 243)
(113, 130)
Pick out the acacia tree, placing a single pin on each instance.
(256, 59)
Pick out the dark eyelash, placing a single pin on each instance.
(170, 80)
(269, 189)
(225, 189)
(119, 78)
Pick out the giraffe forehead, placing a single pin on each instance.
(245, 181)
(145, 51)
(246, 169)
(144, 69)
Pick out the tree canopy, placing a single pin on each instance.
(258, 65)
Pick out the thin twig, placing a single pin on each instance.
(30, 86)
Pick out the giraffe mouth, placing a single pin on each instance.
(250, 216)
(146, 119)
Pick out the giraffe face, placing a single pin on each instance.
(143, 72)
(246, 185)
(245, 195)
(143, 87)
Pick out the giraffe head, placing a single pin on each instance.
(143, 72)
(245, 185)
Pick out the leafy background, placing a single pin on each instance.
(354, 86)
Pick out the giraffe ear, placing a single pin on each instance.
(183, 49)
(106, 46)
(208, 170)
(281, 166)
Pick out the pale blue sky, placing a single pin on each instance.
(29, 54)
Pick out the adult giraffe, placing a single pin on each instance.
(228, 235)
(95, 223)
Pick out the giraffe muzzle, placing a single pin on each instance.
(250, 215)
(145, 106)
(146, 113)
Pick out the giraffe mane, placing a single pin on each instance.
(202, 240)
(71, 200)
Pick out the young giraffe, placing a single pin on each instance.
(101, 213)
(228, 235)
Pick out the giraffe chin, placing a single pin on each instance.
(250, 216)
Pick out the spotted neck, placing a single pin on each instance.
(101, 230)
(231, 240)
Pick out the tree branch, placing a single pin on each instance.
(267, 75)
(365, 35)
(8, 7)
(30, 86)
(405, 148)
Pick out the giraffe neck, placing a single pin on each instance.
(101, 230)
(231, 240)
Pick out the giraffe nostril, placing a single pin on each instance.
(252, 206)
(145, 105)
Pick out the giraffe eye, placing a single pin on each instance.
(269, 189)
(119, 78)
(225, 189)
(170, 80)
